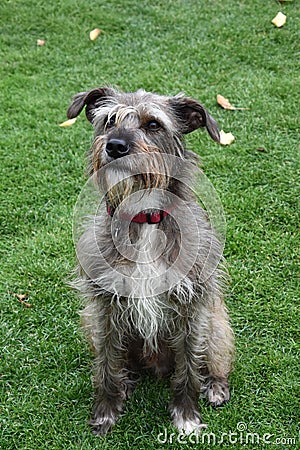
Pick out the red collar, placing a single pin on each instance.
(142, 217)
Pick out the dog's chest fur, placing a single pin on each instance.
(147, 308)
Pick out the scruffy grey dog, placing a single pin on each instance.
(149, 264)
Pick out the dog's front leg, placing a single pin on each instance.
(186, 380)
(219, 351)
(110, 379)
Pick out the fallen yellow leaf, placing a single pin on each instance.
(226, 138)
(68, 123)
(94, 34)
(225, 103)
(22, 298)
(279, 20)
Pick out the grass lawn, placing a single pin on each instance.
(200, 47)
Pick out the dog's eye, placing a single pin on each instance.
(153, 125)
(110, 121)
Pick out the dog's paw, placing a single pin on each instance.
(192, 424)
(100, 426)
(104, 417)
(217, 391)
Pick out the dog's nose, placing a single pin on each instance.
(116, 148)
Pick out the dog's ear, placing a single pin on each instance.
(91, 100)
(193, 115)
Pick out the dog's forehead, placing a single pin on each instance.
(144, 102)
(147, 105)
(142, 97)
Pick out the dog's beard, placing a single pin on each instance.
(119, 186)
(130, 174)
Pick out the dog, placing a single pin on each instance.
(151, 270)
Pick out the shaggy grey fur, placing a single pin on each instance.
(153, 292)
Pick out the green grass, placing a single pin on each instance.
(202, 48)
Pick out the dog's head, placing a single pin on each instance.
(141, 125)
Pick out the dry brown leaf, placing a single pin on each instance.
(225, 103)
(22, 298)
(279, 20)
(68, 123)
(94, 34)
(226, 138)
(40, 42)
